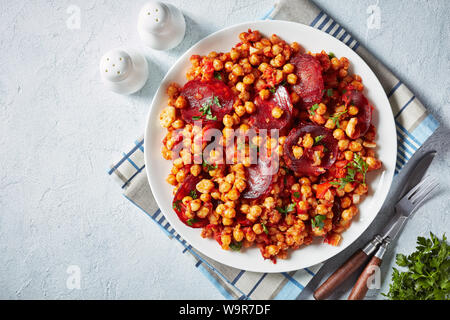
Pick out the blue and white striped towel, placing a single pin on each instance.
(414, 126)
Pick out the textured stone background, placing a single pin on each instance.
(59, 130)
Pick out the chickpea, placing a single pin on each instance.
(264, 94)
(306, 190)
(355, 146)
(237, 70)
(203, 212)
(195, 204)
(257, 228)
(178, 124)
(321, 209)
(245, 208)
(269, 203)
(297, 151)
(181, 175)
(308, 141)
(217, 64)
(351, 127)
(291, 78)
(295, 47)
(240, 185)
(277, 112)
(263, 66)
(226, 240)
(255, 59)
(249, 79)
(204, 186)
(352, 110)
(233, 194)
(349, 187)
(304, 180)
(276, 49)
(228, 121)
(224, 187)
(249, 107)
(229, 213)
(254, 213)
(278, 61)
(229, 66)
(167, 116)
(180, 102)
(240, 110)
(196, 169)
(250, 236)
(288, 68)
(240, 86)
(330, 124)
(335, 63)
(238, 234)
(343, 144)
(348, 155)
(171, 180)
(172, 90)
(234, 54)
(345, 202)
(272, 250)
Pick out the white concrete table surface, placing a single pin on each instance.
(60, 129)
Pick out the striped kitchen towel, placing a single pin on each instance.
(414, 126)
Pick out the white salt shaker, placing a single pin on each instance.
(161, 26)
(124, 71)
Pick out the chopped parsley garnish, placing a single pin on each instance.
(266, 231)
(206, 111)
(313, 109)
(357, 165)
(193, 194)
(331, 55)
(272, 89)
(318, 139)
(217, 75)
(336, 116)
(191, 221)
(297, 195)
(289, 208)
(176, 205)
(318, 221)
(209, 167)
(236, 246)
(330, 92)
(360, 165)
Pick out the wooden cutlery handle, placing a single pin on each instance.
(360, 289)
(341, 274)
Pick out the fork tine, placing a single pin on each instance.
(424, 190)
(419, 185)
(425, 196)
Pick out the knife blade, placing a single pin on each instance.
(392, 229)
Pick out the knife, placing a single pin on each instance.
(389, 232)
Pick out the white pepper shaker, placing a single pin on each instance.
(123, 71)
(161, 26)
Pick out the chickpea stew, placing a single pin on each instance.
(293, 142)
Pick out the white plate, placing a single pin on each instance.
(379, 181)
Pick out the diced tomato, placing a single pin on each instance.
(333, 239)
(322, 189)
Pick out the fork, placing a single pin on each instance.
(404, 208)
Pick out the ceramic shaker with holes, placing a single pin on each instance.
(123, 71)
(161, 26)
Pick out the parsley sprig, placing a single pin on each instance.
(428, 272)
(357, 165)
(318, 221)
(312, 110)
(191, 221)
(236, 246)
(206, 111)
(336, 117)
(289, 208)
